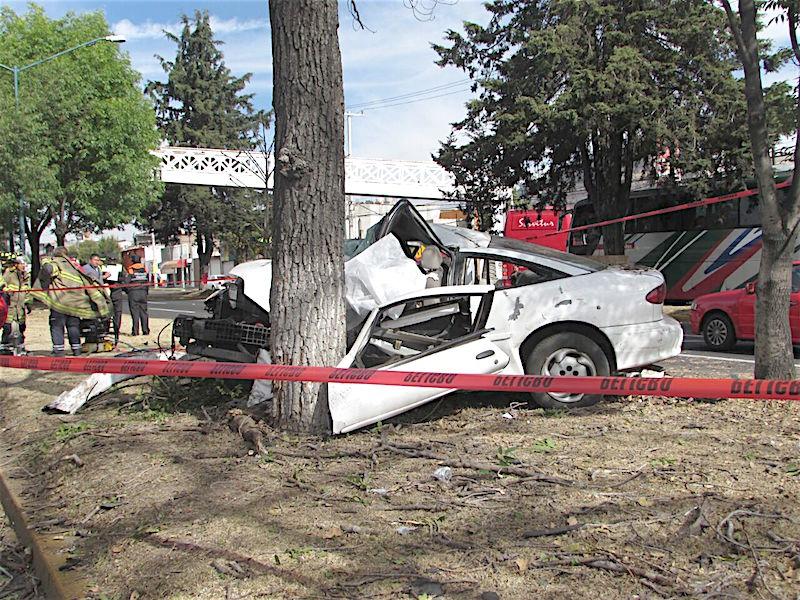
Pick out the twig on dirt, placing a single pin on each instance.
(410, 507)
(608, 564)
(414, 452)
(74, 458)
(727, 524)
(92, 513)
(373, 577)
(751, 583)
(551, 532)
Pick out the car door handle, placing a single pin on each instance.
(485, 354)
(793, 303)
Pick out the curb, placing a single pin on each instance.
(46, 558)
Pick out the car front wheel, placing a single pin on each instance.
(566, 354)
(718, 332)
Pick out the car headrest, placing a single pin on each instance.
(431, 258)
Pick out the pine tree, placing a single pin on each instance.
(593, 91)
(202, 105)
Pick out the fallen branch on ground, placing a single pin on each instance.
(414, 452)
(608, 564)
(247, 428)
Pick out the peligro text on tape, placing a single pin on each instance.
(672, 387)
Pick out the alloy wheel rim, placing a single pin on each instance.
(568, 362)
(717, 332)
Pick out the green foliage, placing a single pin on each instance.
(201, 104)
(544, 445)
(106, 247)
(505, 457)
(78, 146)
(592, 91)
(68, 431)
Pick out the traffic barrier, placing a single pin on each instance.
(663, 211)
(671, 387)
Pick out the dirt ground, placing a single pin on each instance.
(633, 498)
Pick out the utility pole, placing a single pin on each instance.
(348, 116)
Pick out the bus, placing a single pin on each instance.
(529, 225)
(699, 250)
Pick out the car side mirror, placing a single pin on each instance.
(750, 288)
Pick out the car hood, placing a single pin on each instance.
(257, 278)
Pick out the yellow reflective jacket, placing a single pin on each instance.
(14, 281)
(60, 273)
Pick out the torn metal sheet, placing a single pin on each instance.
(70, 401)
(262, 388)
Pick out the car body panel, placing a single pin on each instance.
(257, 276)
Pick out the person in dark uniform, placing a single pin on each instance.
(136, 276)
(117, 299)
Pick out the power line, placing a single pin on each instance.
(413, 101)
(411, 94)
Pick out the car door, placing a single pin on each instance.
(794, 305)
(439, 331)
(745, 321)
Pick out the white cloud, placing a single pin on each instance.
(152, 30)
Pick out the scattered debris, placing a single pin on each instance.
(246, 427)
(443, 474)
(405, 529)
(261, 392)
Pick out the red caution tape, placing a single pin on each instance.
(663, 211)
(110, 286)
(672, 387)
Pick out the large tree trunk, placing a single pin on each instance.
(307, 296)
(774, 356)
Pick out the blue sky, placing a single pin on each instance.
(393, 58)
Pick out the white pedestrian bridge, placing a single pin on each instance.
(363, 176)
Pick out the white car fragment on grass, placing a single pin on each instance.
(70, 401)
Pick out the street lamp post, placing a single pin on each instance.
(15, 72)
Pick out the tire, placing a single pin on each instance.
(564, 354)
(718, 332)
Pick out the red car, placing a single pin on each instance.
(3, 310)
(725, 317)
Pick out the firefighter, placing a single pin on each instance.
(69, 306)
(16, 281)
(137, 288)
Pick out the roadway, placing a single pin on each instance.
(695, 360)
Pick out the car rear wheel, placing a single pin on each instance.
(718, 332)
(566, 354)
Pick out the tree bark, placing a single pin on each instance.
(774, 356)
(307, 295)
(205, 250)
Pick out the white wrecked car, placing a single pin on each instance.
(467, 302)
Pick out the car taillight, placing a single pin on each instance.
(657, 295)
